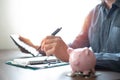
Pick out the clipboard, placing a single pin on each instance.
(37, 62)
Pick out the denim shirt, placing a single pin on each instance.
(101, 32)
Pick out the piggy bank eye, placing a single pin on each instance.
(79, 55)
(88, 53)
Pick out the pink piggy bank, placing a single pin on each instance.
(82, 60)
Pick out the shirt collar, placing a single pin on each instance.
(117, 3)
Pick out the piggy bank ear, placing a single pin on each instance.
(87, 51)
(69, 50)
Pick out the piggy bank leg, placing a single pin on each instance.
(92, 72)
(72, 74)
(89, 73)
(86, 74)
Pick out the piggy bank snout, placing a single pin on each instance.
(69, 50)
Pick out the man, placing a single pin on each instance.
(101, 32)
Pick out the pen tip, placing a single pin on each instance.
(60, 28)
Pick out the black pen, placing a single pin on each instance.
(56, 31)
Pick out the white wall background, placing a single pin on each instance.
(37, 18)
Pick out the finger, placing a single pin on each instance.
(50, 51)
(41, 44)
(47, 42)
(50, 48)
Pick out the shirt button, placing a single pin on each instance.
(103, 50)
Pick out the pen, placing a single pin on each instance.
(56, 31)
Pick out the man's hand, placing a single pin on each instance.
(54, 45)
